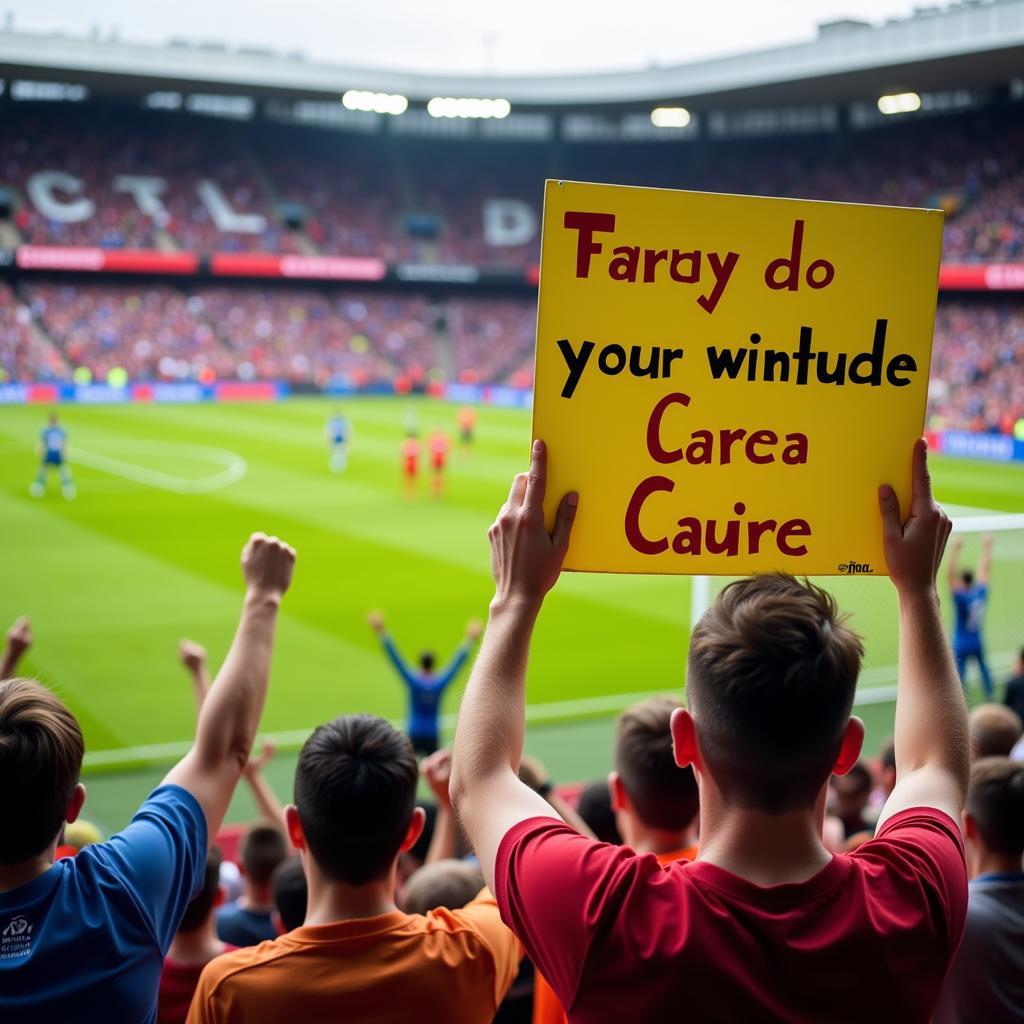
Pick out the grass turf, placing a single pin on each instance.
(113, 579)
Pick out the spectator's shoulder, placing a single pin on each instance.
(224, 969)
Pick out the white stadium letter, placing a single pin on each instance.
(509, 222)
(42, 189)
(223, 216)
(146, 190)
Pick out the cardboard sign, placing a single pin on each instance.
(726, 380)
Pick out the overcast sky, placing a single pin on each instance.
(470, 36)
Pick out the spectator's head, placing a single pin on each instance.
(887, 766)
(263, 849)
(595, 808)
(41, 749)
(994, 815)
(355, 792)
(648, 788)
(290, 891)
(967, 578)
(771, 677)
(200, 911)
(445, 883)
(995, 730)
(52, 419)
(852, 791)
(428, 661)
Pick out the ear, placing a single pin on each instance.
(293, 825)
(849, 751)
(617, 792)
(416, 823)
(684, 739)
(74, 808)
(970, 827)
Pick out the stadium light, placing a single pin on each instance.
(899, 103)
(467, 106)
(374, 102)
(670, 117)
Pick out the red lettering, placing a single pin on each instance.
(586, 224)
(634, 534)
(658, 453)
(793, 528)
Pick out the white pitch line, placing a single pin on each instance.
(235, 466)
(536, 713)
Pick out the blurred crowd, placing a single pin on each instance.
(316, 336)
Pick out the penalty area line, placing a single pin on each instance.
(234, 467)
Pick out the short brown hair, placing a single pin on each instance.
(995, 800)
(202, 904)
(663, 795)
(263, 848)
(355, 789)
(41, 750)
(995, 730)
(445, 883)
(772, 672)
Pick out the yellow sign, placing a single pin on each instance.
(726, 380)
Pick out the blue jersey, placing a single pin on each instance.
(970, 614)
(337, 429)
(53, 439)
(425, 691)
(87, 938)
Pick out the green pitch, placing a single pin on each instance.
(148, 553)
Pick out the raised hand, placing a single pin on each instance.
(267, 565)
(192, 655)
(473, 630)
(376, 621)
(257, 762)
(436, 771)
(525, 559)
(19, 640)
(914, 548)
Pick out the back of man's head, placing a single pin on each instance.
(198, 912)
(967, 578)
(427, 661)
(995, 730)
(772, 672)
(662, 795)
(263, 848)
(290, 894)
(445, 883)
(995, 800)
(355, 788)
(41, 749)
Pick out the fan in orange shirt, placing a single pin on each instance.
(357, 956)
(655, 801)
(467, 426)
(410, 464)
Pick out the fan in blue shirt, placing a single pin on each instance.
(970, 596)
(53, 454)
(425, 685)
(84, 939)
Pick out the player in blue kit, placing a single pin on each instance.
(53, 451)
(426, 686)
(338, 434)
(970, 595)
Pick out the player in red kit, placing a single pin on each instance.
(410, 464)
(440, 445)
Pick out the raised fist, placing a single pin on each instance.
(267, 565)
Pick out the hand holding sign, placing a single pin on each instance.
(525, 558)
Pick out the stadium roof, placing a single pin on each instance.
(972, 44)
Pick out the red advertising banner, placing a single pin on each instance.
(96, 260)
(973, 277)
(328, 268)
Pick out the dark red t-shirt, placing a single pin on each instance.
(622, 938)
(178, 983)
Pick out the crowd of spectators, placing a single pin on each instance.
(413, 200)
(700, 875)
(314, 336)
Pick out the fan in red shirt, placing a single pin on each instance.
(440, 445)
(765, 924)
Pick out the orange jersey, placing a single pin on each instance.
(453, 966)
(467, 418)
(410, 454)
(546, 1007)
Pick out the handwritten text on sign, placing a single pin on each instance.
(730, 402)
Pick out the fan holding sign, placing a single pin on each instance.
(766, 361)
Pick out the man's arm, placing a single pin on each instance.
(985, 565)
(19, 640)
(525, 561)
(376, 621)
(452, 669)
(932, 754)
(951, 567)
(230, 715)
